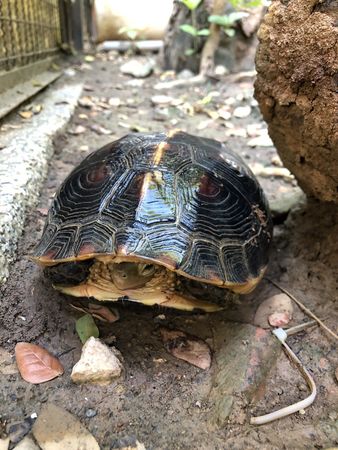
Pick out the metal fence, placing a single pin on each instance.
(29, 31)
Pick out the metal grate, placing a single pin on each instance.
(29, 31)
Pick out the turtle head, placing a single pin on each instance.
(128, 275)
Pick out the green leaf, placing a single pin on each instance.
(188, 29)
(86, 327)
(191, 4)
(132, 34)
(237, 15)
(223, 21)
(245, 3)
(203, 32)
(229, 32)
(190, 52)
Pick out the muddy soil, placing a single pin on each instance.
(162, 401)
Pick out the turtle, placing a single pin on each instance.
(150, 209)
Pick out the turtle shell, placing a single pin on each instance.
(185, 202)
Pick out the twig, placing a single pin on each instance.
(260, 420)
(304, 308)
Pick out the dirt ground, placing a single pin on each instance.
(162, 401)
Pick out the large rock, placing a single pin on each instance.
(297, 69)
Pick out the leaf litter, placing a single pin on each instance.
(36, 365)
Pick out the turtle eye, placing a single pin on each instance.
(146, 269)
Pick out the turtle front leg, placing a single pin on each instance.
(173, 300)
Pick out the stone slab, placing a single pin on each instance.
(24, 157)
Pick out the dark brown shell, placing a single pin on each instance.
(183, 201)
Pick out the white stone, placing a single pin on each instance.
(98, 364)
(261, 141)
(138, 68)
(242, 111)
(161, 100)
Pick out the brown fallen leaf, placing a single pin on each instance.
(26, 114)
(98, 311)
(79, 129)
(36, 365)
(99, 129)
(86, 102)
(187, 347)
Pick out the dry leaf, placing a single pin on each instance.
(98, 311)
(189, 348)
(86, 102)
(36, 365)
(37, 108)
(100, 130)
(77, 130)
(26, 114)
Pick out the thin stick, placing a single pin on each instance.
(283, 412)
(304, 308)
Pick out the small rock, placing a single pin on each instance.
(98, 363)
(138, 68)
(302, 412)
(69, 72)
(242, 111)
(91, 413)
(279, 303)
(161, 100)
(135, 83)
(114, 101)
(224, 113)
(57, 429)
(281, 205)
(185, 74)
(221, 70)
(261, 141)
(279, 319)
(26, 444)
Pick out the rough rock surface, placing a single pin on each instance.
(98, 364)
(24, 164)
(297, 67)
